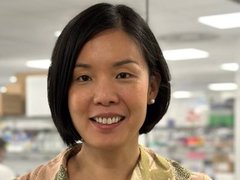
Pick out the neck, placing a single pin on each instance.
(113, 157)
(115, 163)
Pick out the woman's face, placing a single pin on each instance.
(110, 90)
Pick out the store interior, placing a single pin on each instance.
(201, 128)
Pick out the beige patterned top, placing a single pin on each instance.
(149, 167)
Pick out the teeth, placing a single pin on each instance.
(103, 120)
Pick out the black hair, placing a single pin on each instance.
(75, 35)
(2, 144)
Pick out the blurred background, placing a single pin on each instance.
(201, 42)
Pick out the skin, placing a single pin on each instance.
(110, 79)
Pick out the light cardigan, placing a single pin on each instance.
(149, 167)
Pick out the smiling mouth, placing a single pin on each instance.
(107, 120)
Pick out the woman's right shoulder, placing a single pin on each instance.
(31, 175)
(46, 171)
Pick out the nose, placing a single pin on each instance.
(105, 93)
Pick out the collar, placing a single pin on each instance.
(149, 166)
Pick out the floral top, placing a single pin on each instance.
(149, 167)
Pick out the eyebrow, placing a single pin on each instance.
(119, 63)
(124, 62)
(82, 65)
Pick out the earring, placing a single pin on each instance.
(152, 101)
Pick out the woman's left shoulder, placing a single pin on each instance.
(177, 170)
(181, 172)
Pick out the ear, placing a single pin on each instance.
(154, 84)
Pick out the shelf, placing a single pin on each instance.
(27, 123)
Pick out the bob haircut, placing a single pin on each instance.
(75, 35)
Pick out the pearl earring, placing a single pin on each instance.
(152, 101)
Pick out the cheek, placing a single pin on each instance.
(138, 108)
(141, 98)
(136, 98)
(71, 100)
(75, 101)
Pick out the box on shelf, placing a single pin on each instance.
(16, 88)
(11, 104)
(223, 164)
(21, 80)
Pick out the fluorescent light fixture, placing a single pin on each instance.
(222, 86)
(182, 94)
(39, 64)
(230, 66)
(222, 21)
(57, 33)
(184, 54)
(3, 89)
(13, 79)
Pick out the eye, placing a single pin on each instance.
(123, 75)
(84, 78)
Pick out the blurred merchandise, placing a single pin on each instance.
(205, 147)
(222, 114)
(222, 163)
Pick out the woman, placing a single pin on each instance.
(108, 83)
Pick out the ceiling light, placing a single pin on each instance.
(222, 86)
(57, 33)
(40, 64)
(3, 89)
(13, 79)
(182, 94)
(184, 54)
(230, 66)
(221, 21)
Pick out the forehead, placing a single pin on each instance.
(111, 44)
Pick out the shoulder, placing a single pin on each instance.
(177, 170)
(181, 172)
(44, 171)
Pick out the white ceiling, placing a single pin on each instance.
(27, 32)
